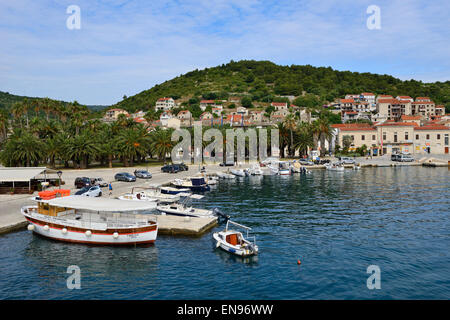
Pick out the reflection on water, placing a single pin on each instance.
(336, 223)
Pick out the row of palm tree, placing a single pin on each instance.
(296, 135)
(48, 132)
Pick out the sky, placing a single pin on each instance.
(123, 47)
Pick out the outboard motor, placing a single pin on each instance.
(222, 216)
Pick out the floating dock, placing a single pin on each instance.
(184, 226)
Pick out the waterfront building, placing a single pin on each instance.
(360, 134)
(432, 139)
(396, 137)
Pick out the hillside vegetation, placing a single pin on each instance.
(263, 80)
(7, 101)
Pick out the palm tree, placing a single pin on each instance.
(27, 149)
(4, 122)
(48, 106)
(303, 138)
(284, 137)
(324, 133)
(290, 124)
(17, 111)
(132, 142)
(161, 143)
(80, 148)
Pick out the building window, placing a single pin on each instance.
(373, 137)
(353, 138)
(395, 136)
(384, 136)
(417, 137)
(363, 137)
(406, 136)
(439, 137)
(428, 137)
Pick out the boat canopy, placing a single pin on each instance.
(99, 204)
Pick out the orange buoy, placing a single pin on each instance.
(299, 262)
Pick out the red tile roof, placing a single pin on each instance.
(350, 125)
(359, 129)
(279, 104)
(405, 117)
(391, 101)
(433, 127)
(347, 100)
(400, 124)
(207, 101)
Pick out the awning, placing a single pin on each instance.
(16, 174)
(100, 204)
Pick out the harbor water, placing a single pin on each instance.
(336, 223)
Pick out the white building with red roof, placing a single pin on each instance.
(165, 104)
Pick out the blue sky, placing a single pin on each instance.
(124, 47)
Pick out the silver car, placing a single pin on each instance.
(94, 191)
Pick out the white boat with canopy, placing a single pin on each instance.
(92, 220)
(151, 193)
(184, 208)
(234, 242)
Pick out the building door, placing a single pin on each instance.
(446, 149)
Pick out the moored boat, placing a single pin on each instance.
(334, 167)
(196, 184)
(238, 172)
(171, 190)
(234, 242)
(92, 220)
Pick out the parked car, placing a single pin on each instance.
(124, 176)
(171, 168)
(321, 161)
(347, 160)
(184, 167)
(227, 164)
(82, 182)
(395, 156)
(94, 191)
(405, 158)
(143, 174)
(99, 182)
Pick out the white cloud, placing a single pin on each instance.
(124, 47)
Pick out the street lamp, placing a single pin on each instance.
(59, 173)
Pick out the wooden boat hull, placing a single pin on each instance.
(68, 233)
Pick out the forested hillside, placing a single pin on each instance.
(262, 80)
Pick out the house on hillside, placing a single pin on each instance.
(165, 104)
(111, 115)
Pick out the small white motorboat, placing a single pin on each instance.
(234, 242)
(183, 208)
(255, 170)
(284, 168)
(334, 166)
(238, 172)
(171, 190)
(138, 196)
(152, 193)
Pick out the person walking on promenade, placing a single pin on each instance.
(110, 189)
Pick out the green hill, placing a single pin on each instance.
(7, 100)
(262, 80)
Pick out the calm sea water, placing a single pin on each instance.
(336, 223)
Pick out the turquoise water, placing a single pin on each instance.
(336, 223)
